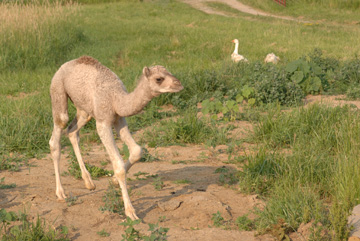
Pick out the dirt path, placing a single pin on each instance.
(201, 5)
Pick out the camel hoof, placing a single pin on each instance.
(131, 215)
(90, 186)
(61, 200)
(61, 197)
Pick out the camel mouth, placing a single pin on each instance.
(176, 89)
(179, 89)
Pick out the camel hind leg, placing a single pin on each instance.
(73, 131)
(60, 118)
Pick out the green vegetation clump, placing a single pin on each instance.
(298, 184)
(157, 232)
(28, 230)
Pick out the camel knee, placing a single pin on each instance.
(61, 120)
(135, 154)
(54, 142)
(120, 173)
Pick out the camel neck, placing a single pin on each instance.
(129, 104)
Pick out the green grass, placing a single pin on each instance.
(316, 177)
(188, 129)
(185, 43)
(44, 33)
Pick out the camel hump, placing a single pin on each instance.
(87, 60)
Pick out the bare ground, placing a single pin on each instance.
(188, 208)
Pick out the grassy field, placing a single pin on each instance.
(311, 181)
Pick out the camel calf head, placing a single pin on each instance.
(161, 81)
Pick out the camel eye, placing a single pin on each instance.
(159, 80)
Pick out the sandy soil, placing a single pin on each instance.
(188, 208)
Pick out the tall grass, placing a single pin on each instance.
(25, 126)
(321, 168)
(36, 34)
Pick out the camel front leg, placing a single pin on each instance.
(122, 130)
(106, 136)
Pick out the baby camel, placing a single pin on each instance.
(98, 93)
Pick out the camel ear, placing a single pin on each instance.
(146, 72)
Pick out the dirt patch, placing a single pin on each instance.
(21, 95)
(188, 206)
(338, 100)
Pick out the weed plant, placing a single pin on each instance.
(28, 230)
(158, 183)
(244, 223)
(103, 233)
(11, 162)
(113, 201)
(6, 186)
(95, 172)
(131, 233)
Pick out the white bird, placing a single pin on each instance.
(272, 58)
(235, 56)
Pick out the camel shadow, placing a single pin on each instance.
(198, 179)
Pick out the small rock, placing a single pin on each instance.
(169, 205)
